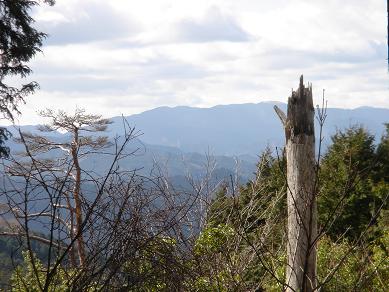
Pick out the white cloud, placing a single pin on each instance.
(123, 56)
(84, 22)
(213, 26)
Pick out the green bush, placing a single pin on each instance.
(30, 278)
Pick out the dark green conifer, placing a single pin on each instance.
(19, 42)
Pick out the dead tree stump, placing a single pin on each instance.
(301, 198)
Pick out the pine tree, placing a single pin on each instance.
(82, 140)
(346, 195)
(19, 43)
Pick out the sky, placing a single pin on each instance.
(124, 57)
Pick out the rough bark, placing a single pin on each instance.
(77, 199)
(301, 201)
(72, 229)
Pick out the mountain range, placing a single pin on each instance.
(238, 129)
(181, 137)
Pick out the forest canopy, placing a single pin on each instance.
(240, 243)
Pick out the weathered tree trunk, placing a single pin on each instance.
(301, 177)
(77, 199)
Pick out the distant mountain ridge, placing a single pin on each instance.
(181, 137)
(238, 129)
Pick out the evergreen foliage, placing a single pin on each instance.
(243, 245)
(353, 183)
(353, 208)
(29, 277)
(11, 255)
(19, 43)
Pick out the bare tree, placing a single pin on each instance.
(143, 232)
(113, 228)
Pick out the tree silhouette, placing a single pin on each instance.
(19, 43)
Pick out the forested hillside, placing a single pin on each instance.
(221, 130)
(233, 235)
(236, 129)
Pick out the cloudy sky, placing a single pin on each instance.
(124, 56)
